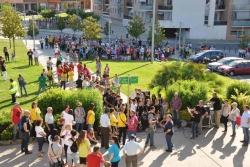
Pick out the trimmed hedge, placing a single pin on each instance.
(190, 92)
(241, 86)
(58, 99)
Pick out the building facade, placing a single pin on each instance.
(197, 19)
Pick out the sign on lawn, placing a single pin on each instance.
(126, 80)
(133, 79)
(123, 80)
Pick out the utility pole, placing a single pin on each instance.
(180, 36)
(33, 31)
(153, 34)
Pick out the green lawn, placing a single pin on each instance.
(30, 74)
(144, 70)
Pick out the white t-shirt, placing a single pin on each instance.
(133, 107)
(67, 135)
(68, 118)
(56, 50)
(38, 130)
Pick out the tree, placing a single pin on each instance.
(11, 24)
(47, 13)
(106, 29)
(159, 34)
(65, 6)
(60, 23)
(244, 40)
(136, 27)
(74, 22)
(91, 29)
(30, 29)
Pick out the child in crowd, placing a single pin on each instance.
(13, 57)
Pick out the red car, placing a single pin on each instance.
(236, 67)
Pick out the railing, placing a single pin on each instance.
(129, 4)
(220, 22)
(165, 7)
(98, 2)
(118, 4)
(219, 7)
(127, 17)
(241, 7)
(146, 7)
(240, 23)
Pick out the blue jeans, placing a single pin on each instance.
(150, 137)
(246, 135)
(40, 141)
(79, 127)
(233, 127)
(177, 120)
(54, 165)
(194, 129)
(23, 87)
(15, 132)
(169, 142)
(90, 126)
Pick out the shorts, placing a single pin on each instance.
(82, 160)
(74, 157)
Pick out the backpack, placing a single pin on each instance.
(20, 124)
(73, 147)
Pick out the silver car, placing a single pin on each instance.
(214, 65)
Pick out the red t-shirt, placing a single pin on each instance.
(94, 160)
(59, 71)
(17, 114)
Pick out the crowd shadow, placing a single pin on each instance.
(21, 67)
(239, 157)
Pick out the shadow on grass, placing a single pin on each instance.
(21, 67)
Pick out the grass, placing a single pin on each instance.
(30, 73)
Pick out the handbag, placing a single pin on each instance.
(60, 163)
(238, 120)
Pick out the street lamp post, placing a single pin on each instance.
(25, 28)
(33, 31)
(176, 34)
(180, 35)
(153, 34)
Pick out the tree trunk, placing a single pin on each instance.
(10, 42)
(14, 46)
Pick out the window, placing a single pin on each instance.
(247, 64)
(241, 65)
(167, 15)
(206, 20)
(233, 33)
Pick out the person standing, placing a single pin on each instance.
(22, 84)
(40, 134)
(150, 133)
(30, 56)
(41, 42)
(105, 129)
(114, 152)
(42, 84)
(25, 132)
(71, 78)
(217, 109)
(168, 131)
(130, 151)
(83, 147)
(49, 122)
(55, 152)
(233, 116)
(13, 90)
(79, 117)
(49, 63)
(200, 108)
(245, 124)
(4, 71)
(122, 125)
(90, 116)
(1, 63)
(95, 159)
(36, 56)
(72, 155)
(132, 124)
(16, 115)
(6, 54)
(226, 108)
(176, 105)
(98, 68)
(113, 121)
(35, 114)
(50, 77)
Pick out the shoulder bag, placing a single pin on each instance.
(123, 121)
(60, 163)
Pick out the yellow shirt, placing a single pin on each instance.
(49, 73)
(91, 119)
(113, 120)
(71, 75)
(50, 39)
(121, 119)
(83, 148)
(63, 76)
(35, 114)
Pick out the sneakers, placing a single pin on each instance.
(152, 147)
(169, 151)
(244, 144)
(29, 152)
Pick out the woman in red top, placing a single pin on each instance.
(16, 115)
(59, 73)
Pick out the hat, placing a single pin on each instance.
(16, 103)
(132, 136)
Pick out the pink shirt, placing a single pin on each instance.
(132, 125)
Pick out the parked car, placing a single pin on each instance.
(236, 67)
(207, 56)
(30, 12)
(225, 61)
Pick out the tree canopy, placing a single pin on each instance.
(47, 13)
(60, 24)
(81, 13)
(30, 29)
(244, 40)
(136, 27)
(159, 34)
(74, 22)
(91, 29)
(106, 29)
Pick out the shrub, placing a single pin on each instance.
(47, 13)
(8, 133)
(241, 99)
(190, 91)
(241, 86)
(58, 99)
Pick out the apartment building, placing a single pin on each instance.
(197, 19)
(22, 5)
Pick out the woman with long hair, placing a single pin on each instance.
(83, 147)
(6, 54)
(40, 134)
(114, 152)
(35, 114)
(90, 116)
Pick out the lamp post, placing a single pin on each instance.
(180, 35)
(33, 31)
(153, 34)
(25, 28)
(109, 29)
(176, 34)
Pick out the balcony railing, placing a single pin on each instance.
(130, 4)
(220, 22)
(220, 7)
(146, 7)
(118, 4)
(98, 2)
(240, 23)
(165, 7)
(241, 7)
(127, 17)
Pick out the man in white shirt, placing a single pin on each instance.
(49, 63)
(245, 123)
(130, 151)
(105, 129)
(133, 105)
(36, 56)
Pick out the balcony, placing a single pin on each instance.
(241, 7)
(146, 7)
(220, 22)
(219, 7)
(129, 4)
(118, 4)
(240, 23)
(127, 17)
(165, 7)
(98, 2)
